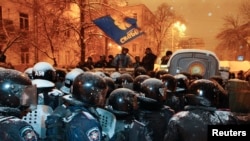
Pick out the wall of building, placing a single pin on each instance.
(11, 12)
(68, 54)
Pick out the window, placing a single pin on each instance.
(25, 55)
(24, 21)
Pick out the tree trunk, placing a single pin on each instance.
(82, 43)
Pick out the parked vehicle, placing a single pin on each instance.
(193, 61)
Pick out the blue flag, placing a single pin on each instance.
(120, 31)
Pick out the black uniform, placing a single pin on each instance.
(72, 124)
(77, 119)
(130, 130)
(155, 120)
(148, 60)
(17, 96)
(152, 111)
(191, 125)
(83, 126)
(202, 102)
(14, 129)
(122, 102)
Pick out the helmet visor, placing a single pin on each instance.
(28, 97)
(100, 98)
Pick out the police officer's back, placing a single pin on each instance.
(200, 111)
(80, 119)
(17, 96)
(152, 111)
(183, 81)
(173, 99)
(123, 103)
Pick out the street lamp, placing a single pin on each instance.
(180, 28)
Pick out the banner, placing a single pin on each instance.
(121, 31)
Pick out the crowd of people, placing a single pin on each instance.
(142, 106)
(124, 60)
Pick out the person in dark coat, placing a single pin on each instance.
(137, 62)
(110, 61)
(102, 63)
(148, 60)
(89, 64)
(201, 110)
(166, 57)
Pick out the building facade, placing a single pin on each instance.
(51, 33)
(16, 24)
(144, 17)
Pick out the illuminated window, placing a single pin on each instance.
(24, 21)
(25, 55)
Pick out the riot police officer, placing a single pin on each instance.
(152, 109)
(44, 76)
(123, 103)
(17, 97)
(202, 99)
(69, 78)
(137, 82)
(77, 119)
(173, 101)
(125, 80)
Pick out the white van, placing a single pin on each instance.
(193, 61)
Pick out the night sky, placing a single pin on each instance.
(204, 17)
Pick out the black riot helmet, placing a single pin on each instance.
(44, 70)
(122, 101)
(115, 75)
(159, 73)
(16, 90)
(182, 82)
(125, 81)
(139, 71)
(89, 89)
(137, 82)
(169, 82)
(218, 79)
(60, 74)
(204, 92)
(153, 90)
(69, 78)
(111, 85)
